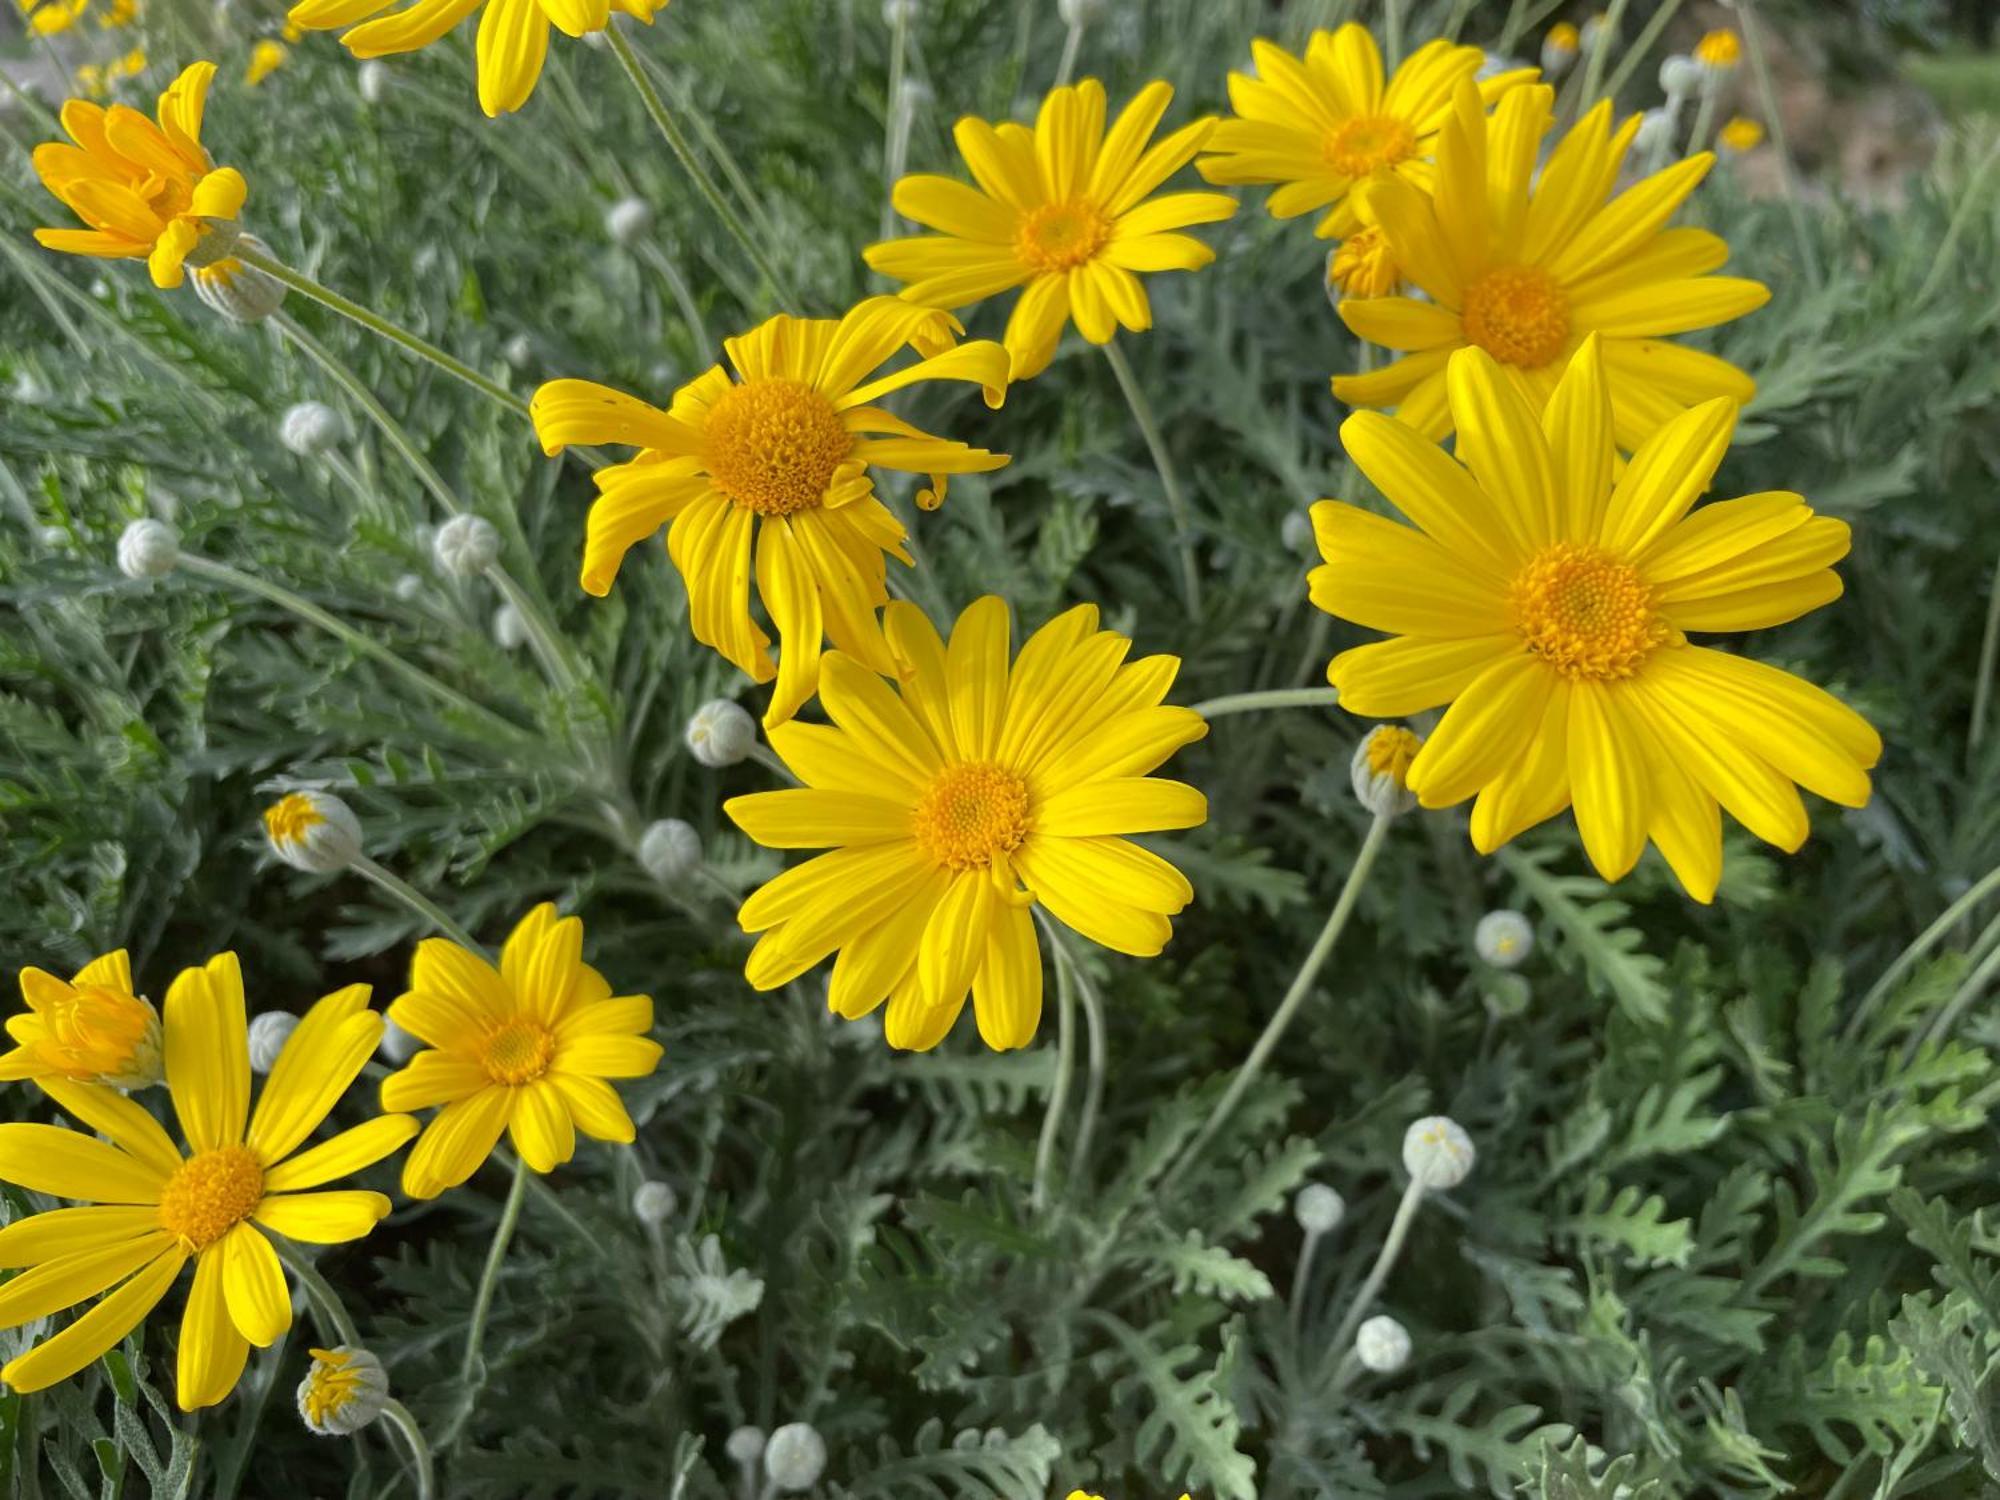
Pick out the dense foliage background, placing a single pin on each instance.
(1733, 1226)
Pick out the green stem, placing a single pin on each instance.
(1704, 117)
(472, 1370)
(1302, 1273)
(1392, 33)
(420, 1451)
(1093, 1020)
(1399, 1231)
(1045, 1146)
(417, 902)
(1243, 703)
(1986, 953)
(1149, 428)
(328, 1311)
(1924, 942)
(1072, 45)
(1636, 53)
(1753, 43)
(895, 135)
(1989, 650)
(1940, 262)
(1593, 68)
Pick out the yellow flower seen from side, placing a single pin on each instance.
(1362, 265)
(146, 1208)
(1547, 595)
(1063, 211)
(513, 40)
(524, 1048)
(956, 800)
(52, 17)
(90, 1029)
(265, 59)
(148, 191)
(1719, 50)
(1321, 125)
(1740, 134)
(118, 13)
(765, 476)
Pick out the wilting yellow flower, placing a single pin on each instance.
(92, 1029)
(265, 59)
(1525, 269)
(1061, 211)
(148, 1209)
(1361, 265)
(1325, 123)
(49, 17)
(1546, 595)
(1741, 134)
(955, 802)
(513, 34)
(147, 191)
(524, 1048)
(776, 462)
(1719, 50)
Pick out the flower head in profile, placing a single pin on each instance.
(513, 40)
(51, 17)
(765, 475)
(90, 1029)
(266, 57)
(1321, 125)
(1547, 595)
(147, 1208)
(1526, 268)
(148, 191)
(1362, 265)
(526, 1048)
(1063, 211)
(956, 800)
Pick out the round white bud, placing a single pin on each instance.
(1504, 939)
(627, 220)
(344, 1390)
(148, 549)
(1318, 1208)
(1437, 1152)
(1296, 532)
(510, 628)
(1081, 12)
(240, 292)
(269, 1032)
(1558, 52)
(653, 1204)
(721, 733)
(1656, 132)
(465, 545)
(313, 831)
(310, 428)
(397, 1045)
(670, 851)
(519, 351)
(1595, 30)
(795, 1457)
(408, 587)
(1381, 769)
(1382, 1344)
(745, 1445)
(1680, 75)
(372, 78)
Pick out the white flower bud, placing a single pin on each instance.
(372, 78)
(1596, 30)
(313, 831)
(519, 351)
(1381, 770)
(1296, 532)
(795, 1457)
(597, 41)
(653, 1204)
(900, 12)
(1437, 1152)
(1382, 1344)
(721, 733)
(239, 292)
(1559, 50)
(397, 1045)
(1655, 135)
(310, 428)
(745, 1445)
(1318, 1208)
(670, 851)
(268, 1034)
(1081, 12)
(627, 220)
(344, 1390)
(1504, 939)
(510, 629)
(148, 549)
(408, 587)
(465, 546)
(1680, 75)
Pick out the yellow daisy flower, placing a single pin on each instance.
(1361, 265)
(1719, 50)
(1322, 124)
(1061, 211)
(1525, 270)
(513, 34)
(956, 801)
(92, 1029)
(147, 1209)
(51, 17)
(118, 13)
(1741, 134)
(265, 59)
(525, 1048)
(1546, 596)
(148, 191)
(776, 461)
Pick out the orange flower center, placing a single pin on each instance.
(773, 445)
(1358, 147)
(1390, 751)
(210, 1194)
(970, 813)
(518, 1051)
(1517, 314)
(1586, 613)
(1059, 236)
(94, 1031)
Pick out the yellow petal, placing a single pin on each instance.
(1608, 780)
(65, 1164)
(1082, 892)
(1483, 731)
(1007, 991)
(253, 1285)
(454, 1143)
(332, 1218)
(331, 1045)
(212, 1352)
(62, 1355)
(69, 1279)
(512, 44)
(1121, 805)
(61, 1232)
(208, 1057)
(127, 1123)
(342, 1155)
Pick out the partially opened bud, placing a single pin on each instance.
(1437, 1152)
(238, 291)
(1504, 939)
(344, 1390)
(1559, 48)
(1381, 770)
(313, 831)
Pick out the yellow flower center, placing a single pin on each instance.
(969, 813)
(1059, 236)
(1517, 314)
(331, 1384)
(93, 1031)
(1390, 751)
(1361, 265)
(211, 1193)
(773, 445)
(1585, 613)
(291, 818)
(518, 1051)
(1358, 147)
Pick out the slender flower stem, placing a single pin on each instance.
(1753, 43)
(1593, 68)
(1243, 703)
(375, 323)
(1922, 944)
(1641, 46)
(1295, 997)
(1975, 188)
(1072, 45)
(1093, 1019)
(1303, 1272)
(416, 900)
(1986, 953)
(1045, 1146)
(1989, 650)
(1392, 33)
(399, 1415)
(896, 126)
(683, 149)
(1399, 1230)
(472, 1370)
(677, 287)
(1704, 117)
(542, 639)
(1170, 481)
(766, 757)
(328, 1311)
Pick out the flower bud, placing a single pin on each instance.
(519, 351)
(1718, 52)
(721, 733)
(510, 629)
(652, 1205)
(1559, 48)
(1741, 134)
(268, 1034)
(90, 1029)
(240, 292)
(670, 851)
(344, 1390)
(313, 831)
(1382, 1344)
(1596, 30)
(1655, 136)
(148, 549)
(372, 78)
(900, 12)
(795, 1457)
(217, 239)
(1504, 939)
(1437, 1152)
(1296, 532)
(408, 587)
(627, 220)
(1381, 770)
(1318, 1208)
(745, 1446)
(465, 546)
(310, 428)
(397, 1045)
(1680, 76)
(1081, 12)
